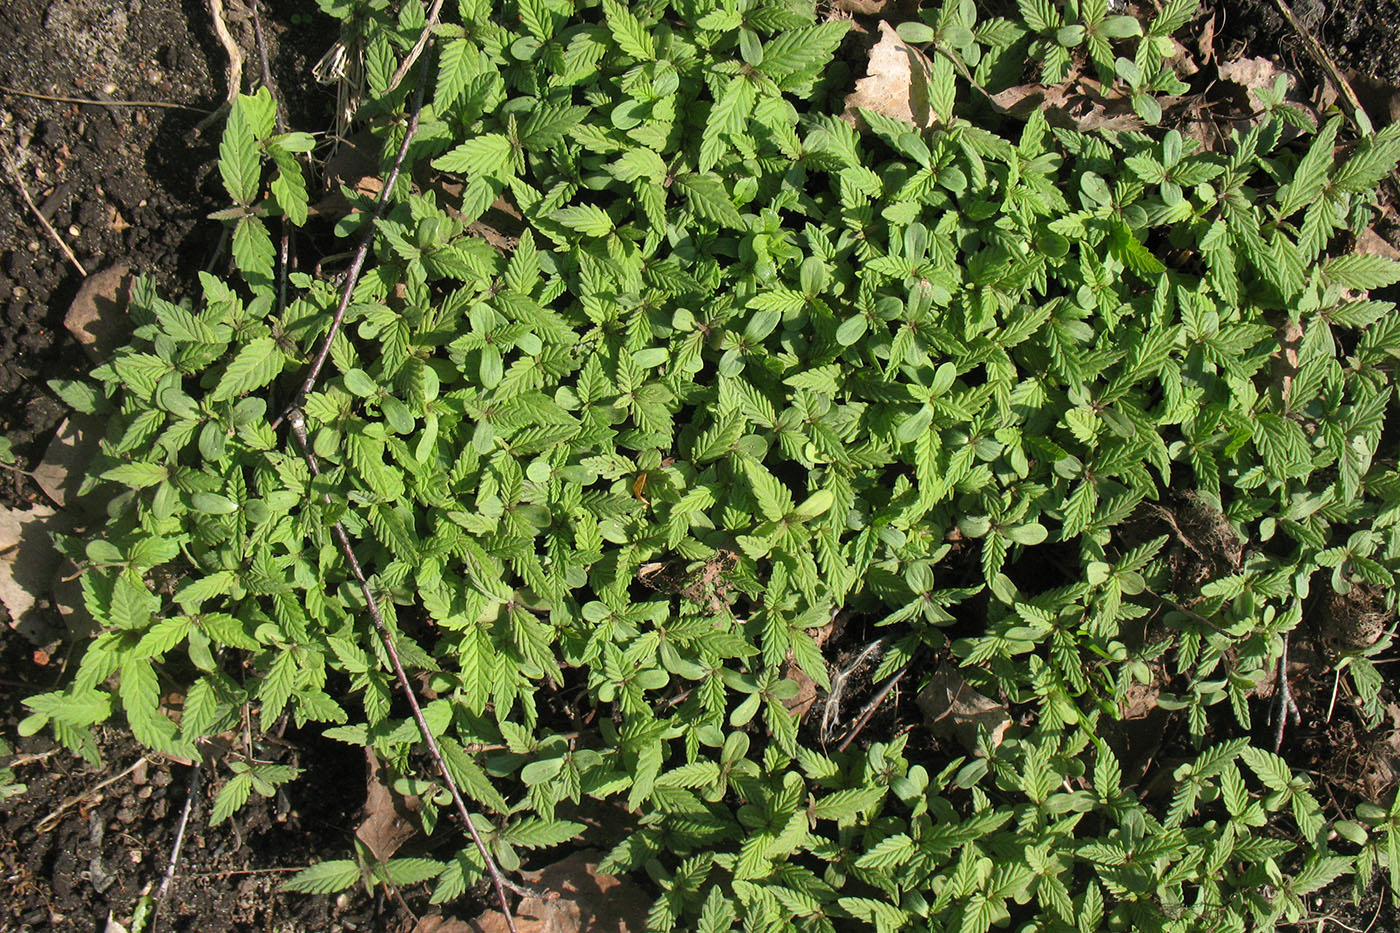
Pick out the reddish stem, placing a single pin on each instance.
(297, 421)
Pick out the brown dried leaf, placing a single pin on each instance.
(1072, 105)
(97, 317)
(1024, 99)
(27, 563)
(1372, 243)
(61, 472)
(890, 86)
(437, 923)
(388, 821)
(586, 901)
(952, 708)
(1205, 43)
(861, 7)
(1181, 60)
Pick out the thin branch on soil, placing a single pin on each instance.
(38, 215)
(229, 873)
(44, 826)
(297, 421)
(262, 60)
(874, 704)
(1353, 107)
(1336, 683)
(1287, 707)
(21, 760)
(166, 881)
(831, 710)
(352, 275)
(418, 46)
(63, 99)
(235, 66)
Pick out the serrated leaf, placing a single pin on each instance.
(256, 364)
(727, 118)
(548, 124)
(1272, 770)
(807, 49)
(412, 870)
(490, 155)
(773, 497)
(231, 798)
(137, 475)
(253, 251)
(1311, 175)
(1362, 271)
(457, 65)
(325, 878)
(240, 163)
(636, 164)
(628, 32)
(709, 199)
(588, 219)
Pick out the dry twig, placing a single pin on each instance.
(831, 710)
(38, 214)
(235, 65)
(418, 46)
(352, 275)
(47, 822)
(1287, 707)
(166, 881)
(874, 704)
(86, 101)
(1353, 107)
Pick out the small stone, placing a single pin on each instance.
(75, 231)
(19, 291)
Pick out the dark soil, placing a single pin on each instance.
(117, 183)
(133, 185)
(1360, 37)
(111, 845)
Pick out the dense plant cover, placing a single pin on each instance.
(748, 366)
